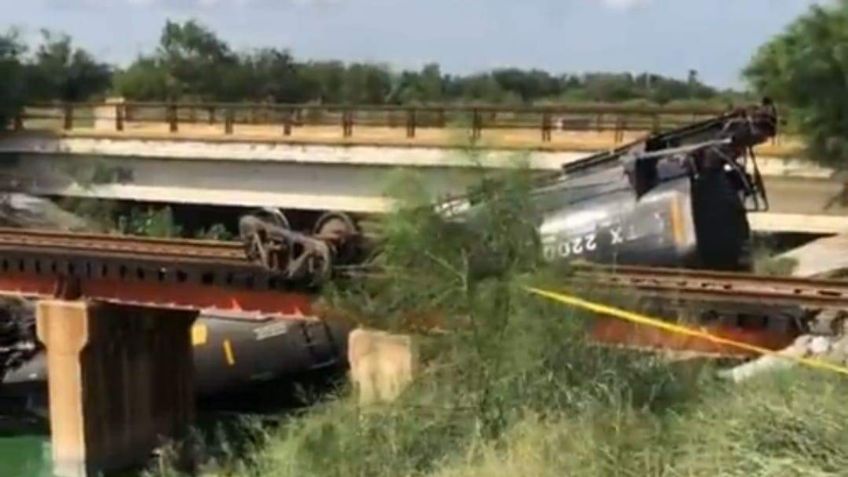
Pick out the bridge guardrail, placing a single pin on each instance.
(226, 118)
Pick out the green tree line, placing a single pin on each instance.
(54, 70)
(193, 63)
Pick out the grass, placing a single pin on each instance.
(513, 389)
(792, 424)
(788, 425)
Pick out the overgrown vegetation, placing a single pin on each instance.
(510, 387)
(107, 216)
(804, 68)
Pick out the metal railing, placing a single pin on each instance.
(288, 119)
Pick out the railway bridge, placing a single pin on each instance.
(318, 158)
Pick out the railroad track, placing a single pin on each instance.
(31, 259)
(667, 282)
(730, 287)
(137, 247)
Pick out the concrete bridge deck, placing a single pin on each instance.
(317, 167)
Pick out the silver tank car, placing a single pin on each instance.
(674, 199)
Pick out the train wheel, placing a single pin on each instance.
(336, 225)
(259, 245)
(256, 247)
(273, 216)
(339, 229)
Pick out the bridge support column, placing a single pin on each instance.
(119, 377)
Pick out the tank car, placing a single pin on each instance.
(231, 354)
(674, 199)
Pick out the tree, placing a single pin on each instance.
(366, 84)
(273, 74)
(481, 87)
(60, 71)
(195, 60)
(806, 69)
(323, 81)
(528, 85)
(11, 78)
(145, 80)
(426, 86)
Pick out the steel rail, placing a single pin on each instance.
(205, 264)
(709, 285)
(121, 244)
(716, 286)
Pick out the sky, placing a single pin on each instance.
(714, 37)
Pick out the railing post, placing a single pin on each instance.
(476, 125)
(599, 126)
(228, 121)
(620, 124)
(287, 122)
(410, 123)
(347, 123)
(18, 122)
(119, 117)
(172, 118)
(68, 116)
(440, 118)
(546, 126)
(211, 118)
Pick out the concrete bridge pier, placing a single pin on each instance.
(119, 378)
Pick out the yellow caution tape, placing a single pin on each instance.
(664, 325)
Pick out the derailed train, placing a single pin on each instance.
(673, 199)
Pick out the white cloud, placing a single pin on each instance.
(625, 4)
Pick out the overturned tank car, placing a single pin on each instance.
(675, 199)
(678, 198)
(232, 353)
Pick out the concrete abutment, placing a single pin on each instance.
(120, 378)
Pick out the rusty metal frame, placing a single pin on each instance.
(165, 283)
